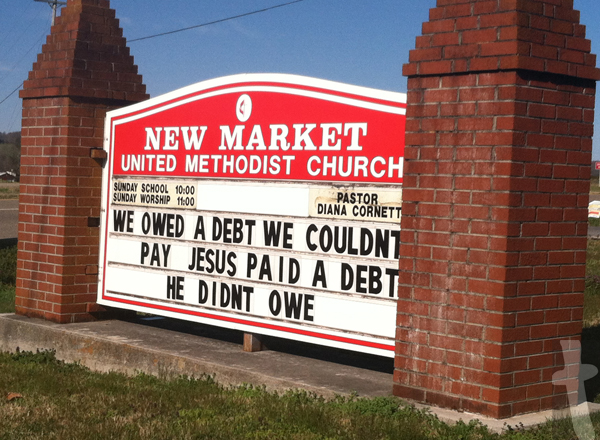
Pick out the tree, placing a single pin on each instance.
(10, 152)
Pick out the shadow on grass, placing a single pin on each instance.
(8, 242)
(590, 354)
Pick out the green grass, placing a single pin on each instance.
(9, 191)
(594, 186)
(7, 298)
(8, 275)
(8, 265)
(591, 309)
(67, 401)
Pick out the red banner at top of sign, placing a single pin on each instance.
(263, 127)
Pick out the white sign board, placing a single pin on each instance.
(265, 203)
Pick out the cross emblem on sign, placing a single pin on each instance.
(244, 108)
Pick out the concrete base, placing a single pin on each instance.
(167, 348)
(523, 421)
(180, 348)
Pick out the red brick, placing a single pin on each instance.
(554, 97)
(445, 40)
(487, 63)
(478, 36)
(425, 54)
(55, 276)
(534, 158)
(485, 7)
(438, 26)
(477, 94)
(434, 67)
(464, 23)
(504, 48)
(462, 51)
(475, 124)
(445, 95)
(542, 111)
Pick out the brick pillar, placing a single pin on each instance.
(84, 71)
(494, 217)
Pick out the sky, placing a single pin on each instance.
(359, 42)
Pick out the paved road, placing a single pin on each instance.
(9, 218)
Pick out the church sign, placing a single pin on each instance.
(264, 203)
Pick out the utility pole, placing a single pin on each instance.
(53, 4)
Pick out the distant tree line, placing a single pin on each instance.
(11, 138)
(10, 151)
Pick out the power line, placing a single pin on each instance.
(36, 44)
(216, 21)
(8, 32)
(13, 116)
(18, 61)
(19, 38)
(188, 28)
(13, 92)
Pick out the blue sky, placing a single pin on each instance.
(361, 42)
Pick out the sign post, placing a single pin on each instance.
(265, 203)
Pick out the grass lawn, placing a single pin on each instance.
(9, 190)
(66, 401)
(7, 298)
(8, 273)
(591, 311)
(594, 185)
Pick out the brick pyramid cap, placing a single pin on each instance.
(489, 35)
(86, 55)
